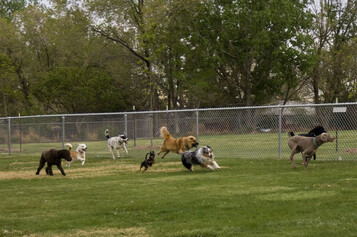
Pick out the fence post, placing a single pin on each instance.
(63, 131)
(197, 124)
(125, 124)
(280, 118)
(134, 127)
(151, 117)
(9, 135)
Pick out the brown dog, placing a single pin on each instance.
(53, 157)
(307, 145)
(175, 145)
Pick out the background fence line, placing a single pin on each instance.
(235, 132)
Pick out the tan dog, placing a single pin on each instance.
(175, 145)
(307, 146)
(78, 154)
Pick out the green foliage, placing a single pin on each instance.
(9, 7)
(9, 92)
(71, 90)
(183, 54)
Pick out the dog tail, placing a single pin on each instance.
(69, 146)
(164, 132)
(107, 133)
(291, 134)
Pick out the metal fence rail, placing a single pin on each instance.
(239, 132)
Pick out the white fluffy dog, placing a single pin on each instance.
(203, 157)
(115, 143)
(78, 154)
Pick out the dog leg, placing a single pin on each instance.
(61, 169)
(292, 160)
(118, 152)
(68, 164)
(111, 150)
(215, 165)
(126, 150)
(308, 160)
(49, 169)
(164, 154)
(42, 164)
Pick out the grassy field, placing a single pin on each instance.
(247, 197)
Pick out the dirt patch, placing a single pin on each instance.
(17, 175)
(350, 150)
(76, 172)
(130, 232)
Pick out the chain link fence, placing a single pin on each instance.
(240, 132)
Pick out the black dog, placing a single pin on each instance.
(53, 157)
(318, 130)
(147, 163)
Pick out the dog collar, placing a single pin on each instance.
(79, 151)
(314, 141)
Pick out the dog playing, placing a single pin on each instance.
(307, 145)
(78, 154)
(203, 157)
(148, 162)
(53, 157)
(175, 145)
(115, 143)
(313, 133)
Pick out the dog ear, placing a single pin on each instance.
(324, 137)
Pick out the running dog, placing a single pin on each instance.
(307, 146)
(115, 143)
(175, 145)
(53, 157)
(313, 133)
(78, 154)
(203, 157)
(148, 162)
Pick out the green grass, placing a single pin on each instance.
(247, 197)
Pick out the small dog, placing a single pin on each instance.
(313, 133)
(203, 157)
(175, 145)
(78, 154)
(53, 157)
(115, 143)
(148, 162)
(307, 145)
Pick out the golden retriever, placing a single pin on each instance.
(175, 145)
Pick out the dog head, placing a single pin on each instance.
(325, 137)
(208, 152)
(152, 154)
(317, 131)
(65, 154)
(190, 141)
(81, 148)
(123, 138)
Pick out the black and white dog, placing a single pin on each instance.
(318, 130)
(203, 157)
(115, 143)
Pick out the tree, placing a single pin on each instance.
(335, 31)
(9, 7)
(77, 90)
(126, 23)
(9, 93)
